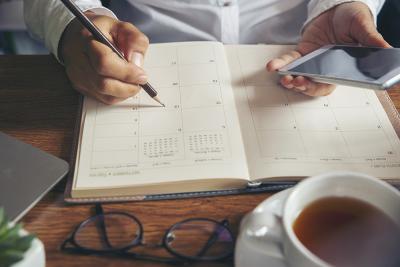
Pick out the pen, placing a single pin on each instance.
(103, 39)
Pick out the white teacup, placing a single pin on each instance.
(272, 237)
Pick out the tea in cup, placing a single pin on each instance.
(332, 219)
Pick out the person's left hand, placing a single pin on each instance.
(348, 23)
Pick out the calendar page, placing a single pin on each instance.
(196, 136)
(290, 134)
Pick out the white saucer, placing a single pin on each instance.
(251, 252)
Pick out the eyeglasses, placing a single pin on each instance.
(117, 233)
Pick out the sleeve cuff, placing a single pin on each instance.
(321, 6)
(63, 18)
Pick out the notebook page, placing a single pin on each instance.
(290, 134)
(197, 134)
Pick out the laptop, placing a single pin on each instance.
(26, 175)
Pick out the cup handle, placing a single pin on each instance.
(264, 230)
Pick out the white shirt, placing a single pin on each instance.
(228, 21)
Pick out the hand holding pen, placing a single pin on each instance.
(95, 69)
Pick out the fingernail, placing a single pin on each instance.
(142, 79)
(137, 59)
(301, 88)
(288, 86)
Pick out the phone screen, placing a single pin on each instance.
(353, 63)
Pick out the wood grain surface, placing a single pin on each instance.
(39, 106)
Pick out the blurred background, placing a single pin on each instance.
(14, 39)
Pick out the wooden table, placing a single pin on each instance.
(39, 107)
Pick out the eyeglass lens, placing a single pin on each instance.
(108, 231)
(200, 239)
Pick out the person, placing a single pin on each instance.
(96, 71)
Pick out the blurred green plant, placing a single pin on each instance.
(12, 244)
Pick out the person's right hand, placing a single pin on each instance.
(94, 69)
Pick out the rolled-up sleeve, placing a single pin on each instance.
(47, 19)
(316, 7)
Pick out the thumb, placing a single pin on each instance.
(132, 42)
(373, 38)
(366, 34)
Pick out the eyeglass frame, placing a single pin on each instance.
(124, 251)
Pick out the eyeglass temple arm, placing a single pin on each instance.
(101, 225)
(213, 237)
(153, 258)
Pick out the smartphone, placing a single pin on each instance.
(366, 67)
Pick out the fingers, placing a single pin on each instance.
(114, 79)
(94, 69)
(299, 83)
(306, 86)
(282, 60)
(86, 80)
(106, 99)
(112, 87)
(132, 42)
(107, 63)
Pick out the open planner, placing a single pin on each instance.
(227, 123)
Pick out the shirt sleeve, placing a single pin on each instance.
(47, 19)
(316, 7)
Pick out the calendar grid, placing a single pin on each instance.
(180, 139)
